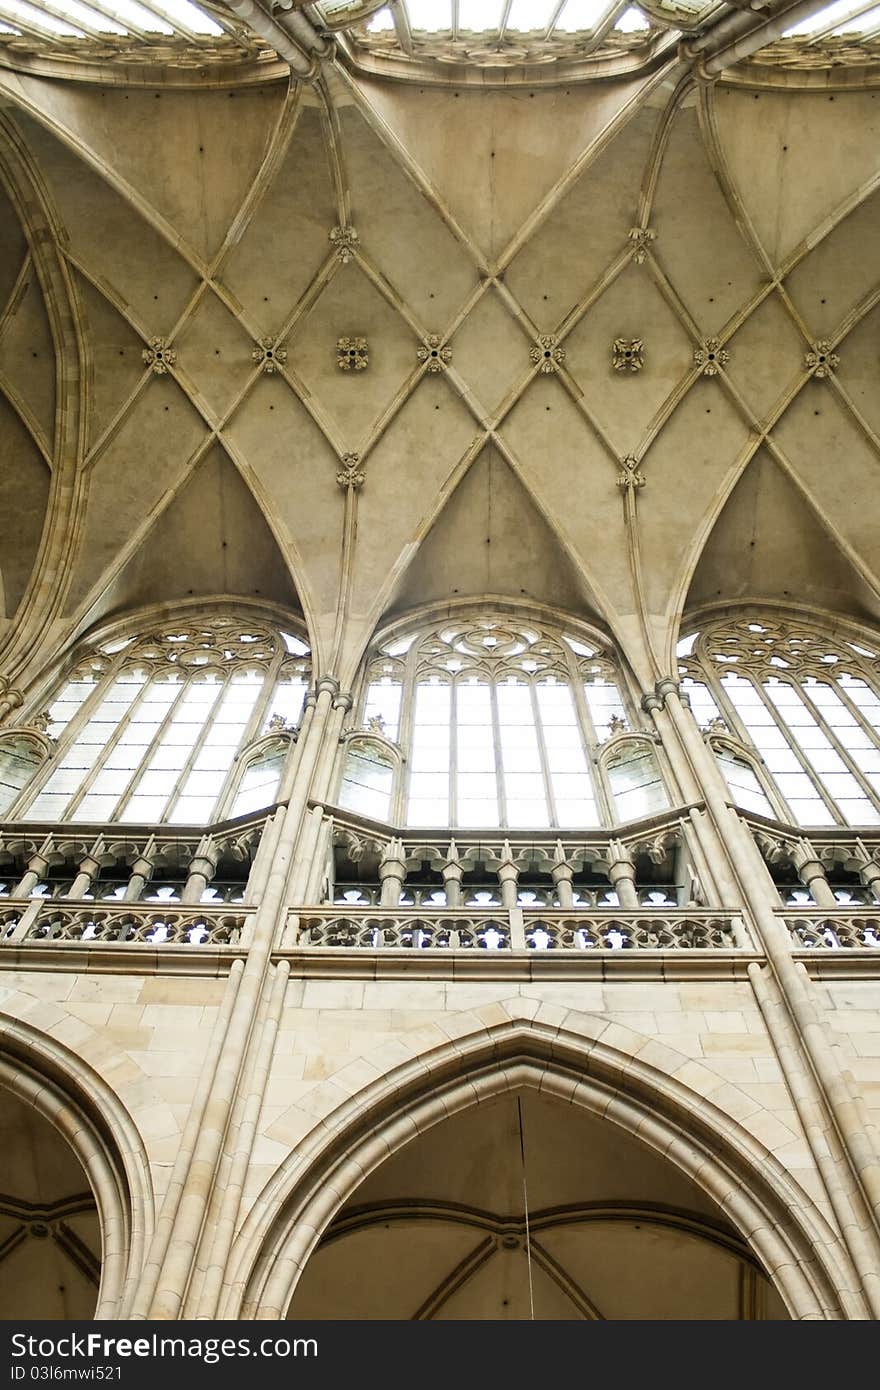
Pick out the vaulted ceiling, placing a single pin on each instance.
(489, 219)
(614, 1230)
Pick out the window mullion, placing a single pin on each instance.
(88, 780)
(407, 722)
(499, 762)
(800, 754)
(208, 720)
(858, 714)
(836, 744)
(542, 753)
(590, 740)
(453, 752)
(250, 734)
(151, 746)
(68, 738)
(728, 710)
(112, 742)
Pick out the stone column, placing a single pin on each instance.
(622, 873)
(202, 868)
(9, 699)
(812, 875)
(562, 874)
(36, 869)
(870, 875)
(508, 876)
(89, 868)
(141, 873)
(453, 871)
(817, 1076)
(392, 873)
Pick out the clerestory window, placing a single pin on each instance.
(156, 728)
(495, 722)
(803, 702)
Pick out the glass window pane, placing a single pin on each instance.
(527, 814)
(383, 702)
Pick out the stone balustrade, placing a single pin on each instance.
(519, 930)
(85, 924)
(832, 931)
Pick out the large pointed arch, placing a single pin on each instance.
(785, 1230)
(90, 1116)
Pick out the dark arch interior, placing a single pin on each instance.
(616, 1231)
(50, 1239)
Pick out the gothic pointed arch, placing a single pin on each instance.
(47, 1077)
(731, 1167)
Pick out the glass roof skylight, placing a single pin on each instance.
(621, 37)
(475, 30)
(132, 31)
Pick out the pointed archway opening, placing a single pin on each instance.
(50, 1236)
(524, 1206)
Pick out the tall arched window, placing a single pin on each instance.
(498, 721)
(148, 727)
(806, 701)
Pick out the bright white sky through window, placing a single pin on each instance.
(841, 10)
(580, 14)
(526, 15)
(431, 16)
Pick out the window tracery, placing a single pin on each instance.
(498, 722)
(806, 702)
(148, 727)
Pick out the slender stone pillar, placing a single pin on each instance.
(202, 869)
(562, 874)
(141, 873)
(821, 1086)
(36, 869)
(812, 875)
(453, 872)
(508, 876)
(622, 873)
(89, 868)
(392, 873)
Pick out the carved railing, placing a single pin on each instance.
(832, 931)
(138, 925)
(114, 863)
(518, 930)
(363, 863)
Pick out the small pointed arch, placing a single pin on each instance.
(787, 1234)
(636, 786)
(64, 1091)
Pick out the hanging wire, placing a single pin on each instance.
(522, 1154)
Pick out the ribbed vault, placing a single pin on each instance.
(488, 220)
(613, 1230)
